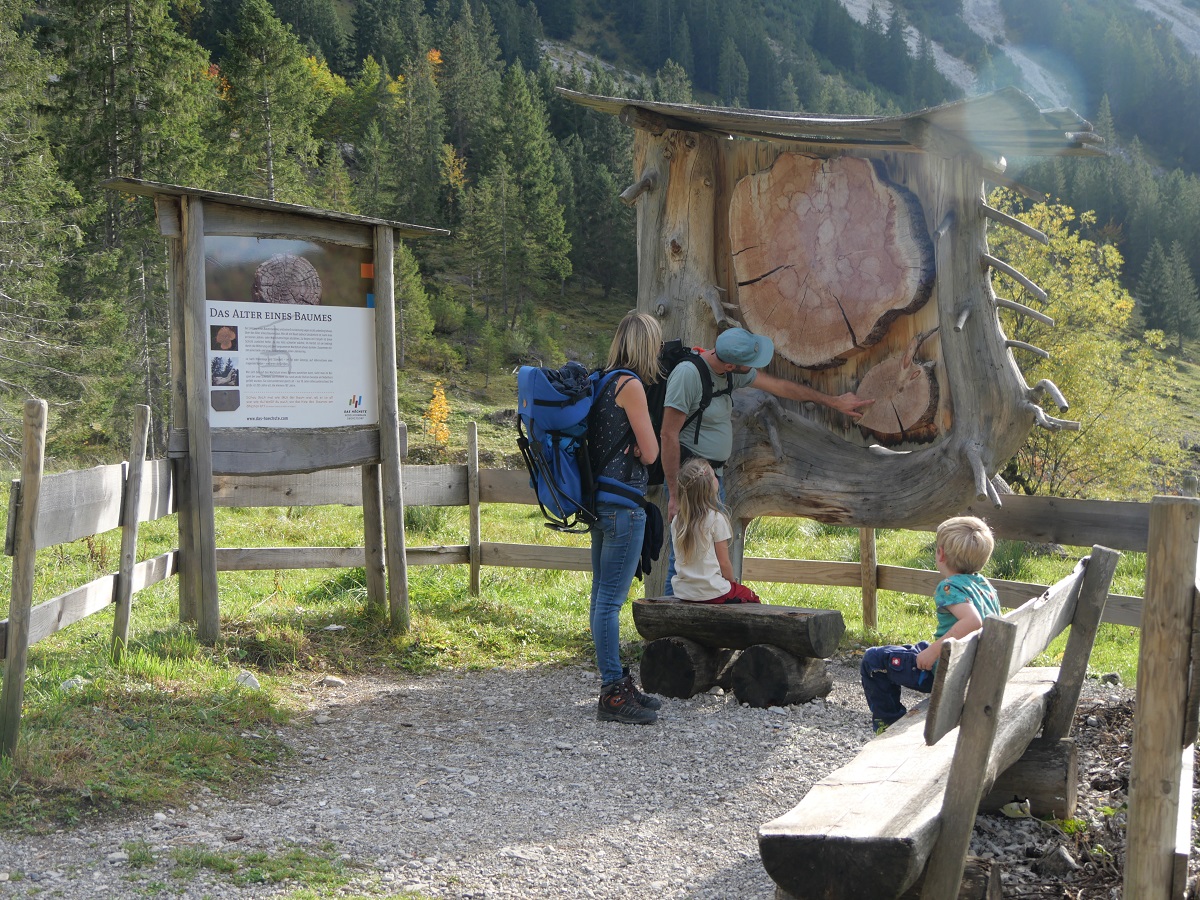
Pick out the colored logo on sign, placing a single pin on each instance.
(356, 402)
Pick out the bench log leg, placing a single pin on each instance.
(1047, 776)
(765, 675)
(678, 667)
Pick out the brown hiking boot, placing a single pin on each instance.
(647, 700)
(618, 704)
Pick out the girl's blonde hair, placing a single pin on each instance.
(697, 497)
(635, 346)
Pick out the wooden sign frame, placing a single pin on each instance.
(186, 216)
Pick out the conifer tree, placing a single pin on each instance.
(135, 98)
(273, 102)
(470, 85)
(733, 78)
(527, 146)
(1152, 288)
(317, 25)
(36, 232)
(416, 130)
(414, 321)
(1181, 307)
(671, 84)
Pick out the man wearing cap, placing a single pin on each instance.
(734, 361)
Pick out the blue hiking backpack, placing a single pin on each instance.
(553, 412)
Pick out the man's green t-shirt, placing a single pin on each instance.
(684, 392)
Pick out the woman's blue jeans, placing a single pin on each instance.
(616, 549)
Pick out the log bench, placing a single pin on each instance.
(767, 655)
(903, 809)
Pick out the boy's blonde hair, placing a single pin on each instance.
(697, 497)
(967, 543)
(635, 346)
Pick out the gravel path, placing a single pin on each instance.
(499, 784)
(502, 784)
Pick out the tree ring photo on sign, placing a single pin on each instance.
(287, 278)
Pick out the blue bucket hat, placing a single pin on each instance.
(740, 347)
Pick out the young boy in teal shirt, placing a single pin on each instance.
(964, 599)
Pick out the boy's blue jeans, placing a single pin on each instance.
(887, 669)
(616, 549)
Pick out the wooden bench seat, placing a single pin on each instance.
(767, 655)
(905, 806)
(802, 632)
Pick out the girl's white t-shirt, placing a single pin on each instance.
(700, 578)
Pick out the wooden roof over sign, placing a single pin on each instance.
(158, 189)
(1004, 123)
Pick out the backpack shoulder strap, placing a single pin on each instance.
(706, 393)
(602, 380)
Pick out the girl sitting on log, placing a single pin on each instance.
(700, 533)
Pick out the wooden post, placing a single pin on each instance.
(372, 500)
(737, 546)
(189, 584)
(473, 540)
(24, 554)
(976, 734)
(195, 325)
(389, 428)
(654, 584)
(1089, 607)
(868, 562)
(1156, 780)
(130, 504)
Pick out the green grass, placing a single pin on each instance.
(98, 737)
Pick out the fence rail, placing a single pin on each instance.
(74, 505)
(79, 504)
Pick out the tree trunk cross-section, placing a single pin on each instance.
(905, 392)
(827, 253)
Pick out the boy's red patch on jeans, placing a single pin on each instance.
(738, 593)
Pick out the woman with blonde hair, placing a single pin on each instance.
(700, 532)
(621, 433)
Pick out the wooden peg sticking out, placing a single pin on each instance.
(648, 182)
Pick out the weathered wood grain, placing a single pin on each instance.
(535, 556)
(802, 632)
(976, 759)
(867, 829)
(77, 504)
(257, 559)
(123, 591)
(201, 554)
(1085, 623)
(58, 612)
(1156, 777)
(267, 451)
(12, 691)
(1047, 775)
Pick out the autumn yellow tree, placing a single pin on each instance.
(1118, 389)
(437, 417)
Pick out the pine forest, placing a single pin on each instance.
(444, 113)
